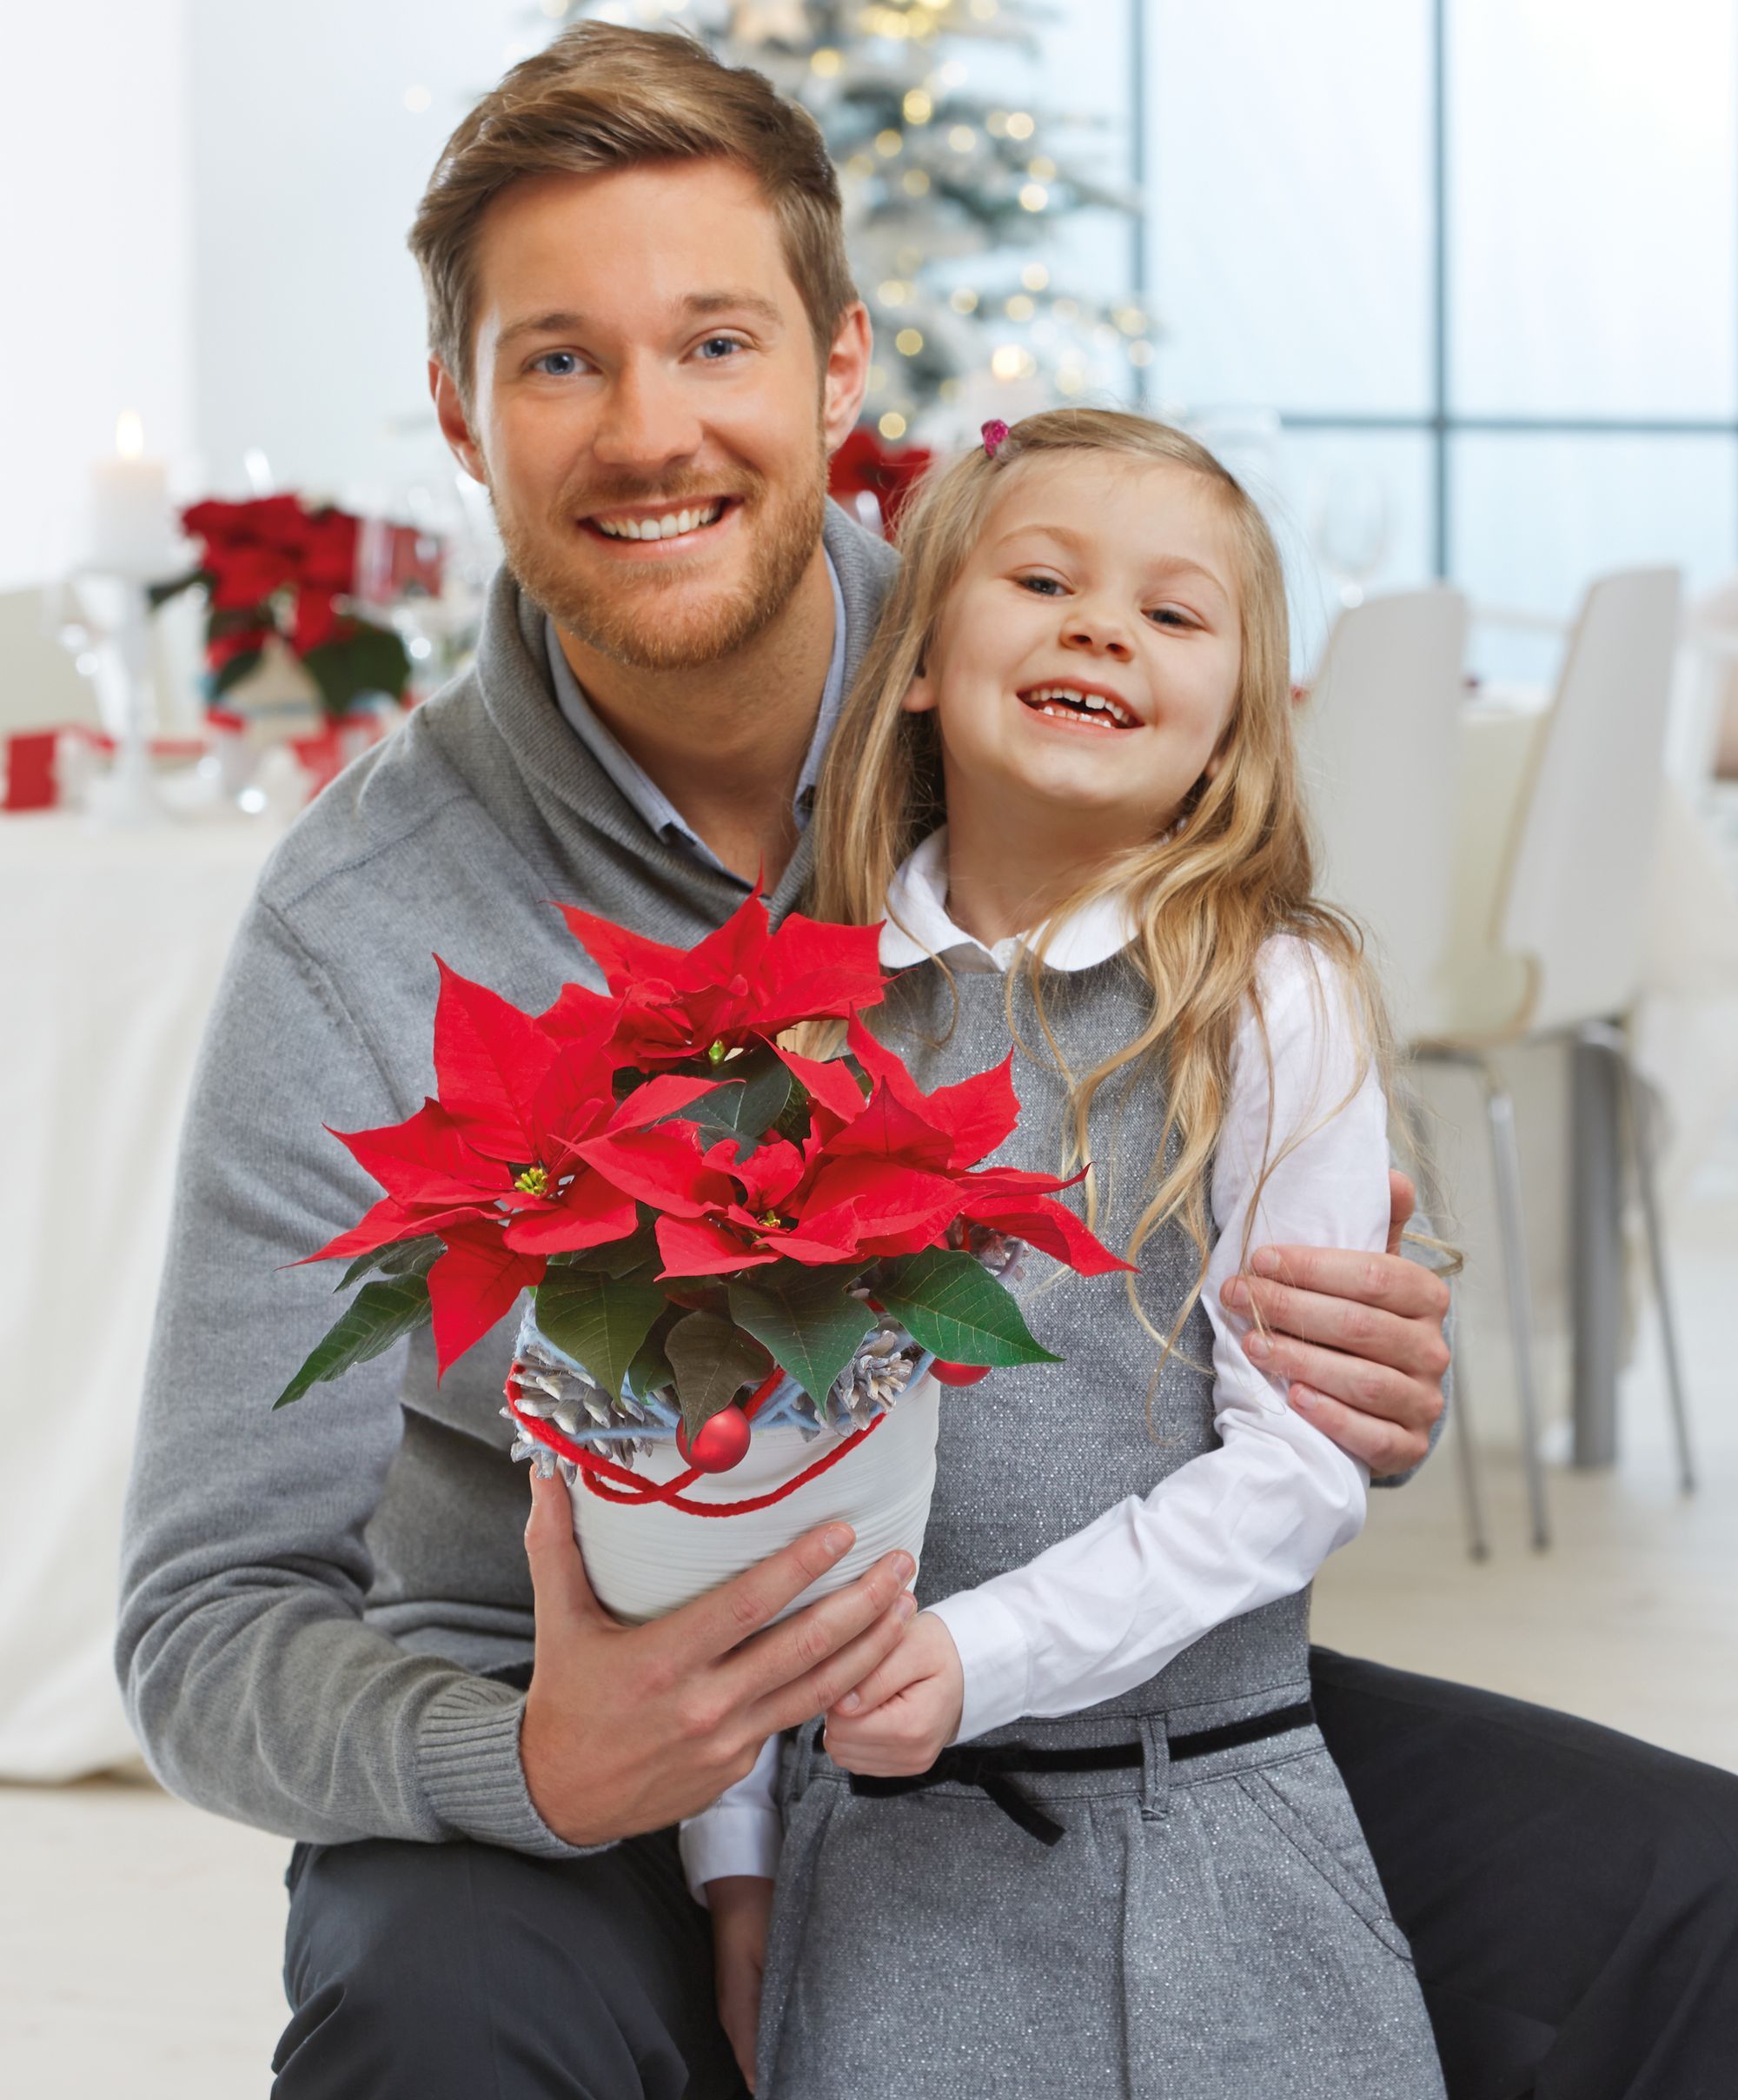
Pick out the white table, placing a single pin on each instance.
(111, 944)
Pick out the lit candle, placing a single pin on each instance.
(131, 530)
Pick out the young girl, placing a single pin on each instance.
(1079, 1834)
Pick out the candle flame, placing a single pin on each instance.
(129, 434)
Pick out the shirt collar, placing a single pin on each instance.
(638, 788)
(918, 925)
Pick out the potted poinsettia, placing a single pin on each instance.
(749, 1271)
(281, 575)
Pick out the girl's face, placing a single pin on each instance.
(1087, 658)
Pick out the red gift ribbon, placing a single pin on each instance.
(614, 1483)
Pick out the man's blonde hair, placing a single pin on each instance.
(602, 97)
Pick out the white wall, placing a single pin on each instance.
(95, 254)
(215, 194)
(308, 165)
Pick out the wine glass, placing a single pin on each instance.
(1353, 529)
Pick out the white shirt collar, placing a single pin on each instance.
(918, 925)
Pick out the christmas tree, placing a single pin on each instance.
(952, 204)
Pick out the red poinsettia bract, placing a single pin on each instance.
(878, 1175)
(492, 1166)
(742, 983)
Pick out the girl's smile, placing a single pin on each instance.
(1080, 706)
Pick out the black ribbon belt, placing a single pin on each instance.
(991, 1767)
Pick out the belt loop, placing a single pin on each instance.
(804, 1748)
(1155, 1768)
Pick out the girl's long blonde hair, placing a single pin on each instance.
(1204, 893)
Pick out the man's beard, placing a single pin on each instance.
(642, 622)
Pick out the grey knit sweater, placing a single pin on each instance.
(307, 1596)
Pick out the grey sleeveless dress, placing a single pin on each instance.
(1213, 1931)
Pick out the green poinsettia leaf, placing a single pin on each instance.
(650, 1370)
(712, 1360)
(755, 1093)
(744, 1105)
(381, 1314)
(235, 671)
(806, 1318)
(160, 594)
(402, 1258)
(598, 1320)
(953, 1306)
(368, 658)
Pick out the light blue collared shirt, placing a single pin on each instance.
(643, 793)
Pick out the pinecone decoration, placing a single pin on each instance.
(550, 1390)
(877, 1375)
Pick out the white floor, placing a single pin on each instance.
(140, 1941)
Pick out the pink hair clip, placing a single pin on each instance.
(994, 431)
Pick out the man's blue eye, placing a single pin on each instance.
(719, 343)
(550, 357)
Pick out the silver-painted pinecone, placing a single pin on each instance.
(877, 1375)
(550, 1390)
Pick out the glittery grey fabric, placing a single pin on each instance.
(1213, 1931)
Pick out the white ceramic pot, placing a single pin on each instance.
(646, 1561)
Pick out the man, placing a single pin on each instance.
(645, 340)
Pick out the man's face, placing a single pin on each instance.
(648, 410)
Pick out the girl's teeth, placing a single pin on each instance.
(1068, 714)
(1077, 707)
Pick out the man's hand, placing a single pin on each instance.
(630, 1728)
(901, 1718)
(741, 1906)
(1359, 1338)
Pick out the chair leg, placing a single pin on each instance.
(1506, 1163)
(1638, 1112)
(1466, 1453)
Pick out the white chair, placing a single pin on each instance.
(1379, 743)
(1573, 909)
(1380, 746)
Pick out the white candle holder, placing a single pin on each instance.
(117, 616)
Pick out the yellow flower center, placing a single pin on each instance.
(716, 1053)
(535, 1181)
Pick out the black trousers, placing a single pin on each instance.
(1571, 1896)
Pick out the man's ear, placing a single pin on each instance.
(455, 424)
(846, 378)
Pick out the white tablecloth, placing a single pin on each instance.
(111, 949)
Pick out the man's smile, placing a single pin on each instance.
(659, 524)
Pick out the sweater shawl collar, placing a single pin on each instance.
(575, 809)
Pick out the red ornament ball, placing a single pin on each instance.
(721, 1442)
(957, 1374)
